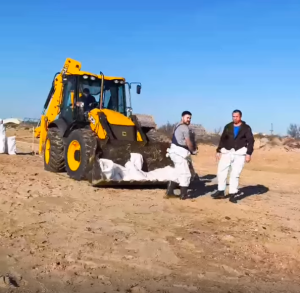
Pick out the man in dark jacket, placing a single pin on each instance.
(235, 148)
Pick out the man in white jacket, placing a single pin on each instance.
(235, 148)
(181, 149)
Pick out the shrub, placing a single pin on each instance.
(294, 130)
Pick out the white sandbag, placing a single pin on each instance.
(110, 170)
(137, 160)
(167, 173)
(133, 171)
(2, 144)
(2, 137)
(11, 145)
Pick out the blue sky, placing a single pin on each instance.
(209, 57)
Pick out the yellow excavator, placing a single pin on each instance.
(88, 116)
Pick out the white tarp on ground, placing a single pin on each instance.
(133, 171)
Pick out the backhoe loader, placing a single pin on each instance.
(74, 132)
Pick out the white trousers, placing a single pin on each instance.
(235, 160)
(180, 157)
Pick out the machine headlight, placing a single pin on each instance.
(85, 77)
(80, 104)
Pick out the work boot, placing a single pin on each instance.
(170, 190)
(219, 194)
(233, 197)
(183, 193)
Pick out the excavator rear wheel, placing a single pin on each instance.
(80, 148)
(54, 152)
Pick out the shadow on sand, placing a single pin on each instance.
(25, 154)
(200, 188)
(252, 190)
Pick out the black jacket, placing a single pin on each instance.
(244, 138)
(87, 101)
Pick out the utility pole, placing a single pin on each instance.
(271, 129)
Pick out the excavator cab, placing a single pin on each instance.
(74, 136)
(114, 95)
(73, 98)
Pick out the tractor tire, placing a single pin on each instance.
(155, 136)
(54, 160)
(80, 148)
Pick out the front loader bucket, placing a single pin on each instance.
(154, 157)
(130, 184)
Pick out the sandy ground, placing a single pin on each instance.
(59, 235)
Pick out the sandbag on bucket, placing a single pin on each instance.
(11, 145)
(2, 137)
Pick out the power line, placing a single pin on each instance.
(272, 130)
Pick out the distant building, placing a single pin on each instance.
(198, 129)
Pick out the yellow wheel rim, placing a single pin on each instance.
(47, 151)
(74, 147)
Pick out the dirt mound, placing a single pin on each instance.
(276, 142)
(292, 143)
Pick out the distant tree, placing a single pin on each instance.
(294, 130)
(167, 129)
(218, 130)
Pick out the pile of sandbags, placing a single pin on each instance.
(7, 144)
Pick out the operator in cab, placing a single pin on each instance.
(179, 152)
(88, 100)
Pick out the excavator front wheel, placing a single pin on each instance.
(54, 152)
(80, 147)
(73, 154)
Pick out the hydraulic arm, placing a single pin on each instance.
(54, 100)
